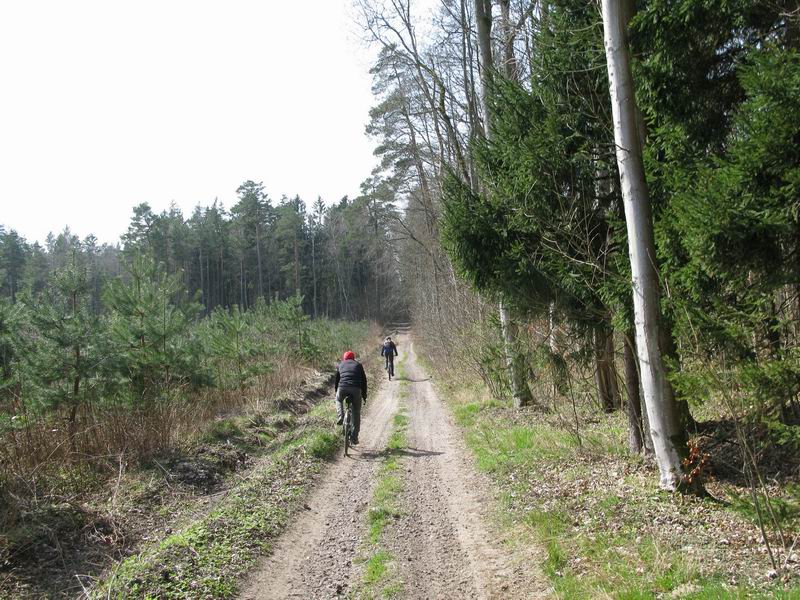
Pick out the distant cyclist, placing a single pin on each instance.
(351, 380)
(389, 351)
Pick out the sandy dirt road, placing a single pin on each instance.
(443, 544)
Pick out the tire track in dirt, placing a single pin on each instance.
(442, 544)
(314, 557)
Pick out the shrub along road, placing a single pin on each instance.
(438, 540)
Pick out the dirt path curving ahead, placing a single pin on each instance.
(443, 544)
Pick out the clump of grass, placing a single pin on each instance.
(400, 420)
(323, 444)
(400, 373)
(397, 441)
(384, 506)
(224, 429)
(280, 421)
(326, 409)
(376, 567)
(467, 413)
(393, 590)
(501, 446)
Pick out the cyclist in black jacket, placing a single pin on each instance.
(389, 351)
(351, 380)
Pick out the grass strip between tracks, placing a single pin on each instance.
(379, 575)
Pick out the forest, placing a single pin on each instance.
(590, 215)
(606, 226)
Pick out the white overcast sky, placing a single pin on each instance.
(108, 103)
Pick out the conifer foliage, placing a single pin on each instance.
(108, 349)
(535, 214)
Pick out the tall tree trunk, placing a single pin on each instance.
(555, 336)
(509, 60)
(469, 86)
(314, 270)
(519, 385)
(633, 405)
(668, 436)
(296, 266)
(514, 361)
(241, 283)
(605, 375)
(76, 390)
(211, 284)
(611, 365)
(258, 256)
(222, 279)
(203, 298)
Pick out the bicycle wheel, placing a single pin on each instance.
(346, 428)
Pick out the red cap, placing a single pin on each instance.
(349, 355)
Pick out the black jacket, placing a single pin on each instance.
(350, 373)
(389, 350)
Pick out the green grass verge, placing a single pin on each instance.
(384, 500)
(384, 507)
(207, 558)
(596, 541)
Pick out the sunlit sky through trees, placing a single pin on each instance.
(109, 104)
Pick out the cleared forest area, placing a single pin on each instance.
(131, 393)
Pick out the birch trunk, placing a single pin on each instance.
(519, 386)
(661, 409)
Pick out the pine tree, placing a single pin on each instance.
(150, 317)
(65, 358)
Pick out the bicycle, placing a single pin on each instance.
(390, 366)
(347, 422)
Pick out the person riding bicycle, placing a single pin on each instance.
(351, 380)
(389, 351)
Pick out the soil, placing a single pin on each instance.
(444, 543)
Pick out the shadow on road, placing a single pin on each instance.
(413, 452)
(411, 380)
(366, 454)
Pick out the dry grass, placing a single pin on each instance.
(38, 462)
